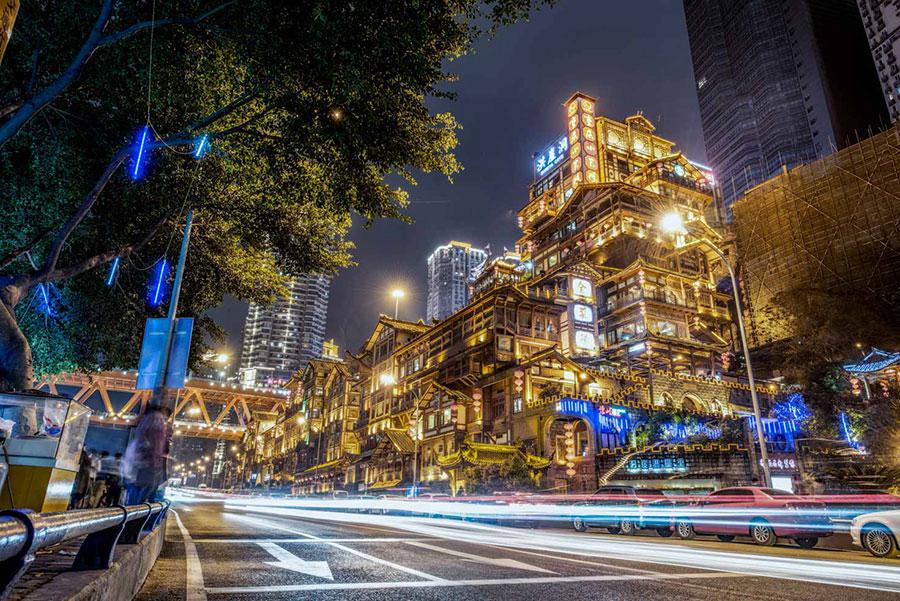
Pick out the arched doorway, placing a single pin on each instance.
(571, 444)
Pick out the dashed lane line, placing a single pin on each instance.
(288, 588)
(194, 587)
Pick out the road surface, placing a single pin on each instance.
(218, 551)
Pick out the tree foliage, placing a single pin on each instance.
(310, 107)
(829, 329)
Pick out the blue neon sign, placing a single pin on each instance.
(551, 156)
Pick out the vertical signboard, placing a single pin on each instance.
(585, 163)
(153, 351)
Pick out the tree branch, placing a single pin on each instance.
(40, 100)
(70, 271)
(83, 209)
(21, 115)
(18, 252)
(118, 36)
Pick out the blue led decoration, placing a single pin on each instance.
(113, 272)
(605, 419)
(679, 432)
(846, 434)
(140, 157)
(201, 147)
(156, 291)
(793, 408)
(45, 299)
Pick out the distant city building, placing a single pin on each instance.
(449, 270)
(779, 82)
(830, 225)
(881, 19)
(279, 339)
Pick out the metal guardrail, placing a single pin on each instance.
(23, 533)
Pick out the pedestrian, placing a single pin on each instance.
(82, 481)
(113, 469)
(144, 464)
(98, 491)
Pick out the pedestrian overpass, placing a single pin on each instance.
(204, 408)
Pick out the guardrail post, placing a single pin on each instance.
(11, 569)
(153, 521)
(131, 534)
(96, 552)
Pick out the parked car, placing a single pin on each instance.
(624, 509)
(877, 532)
(657, 516)
(763, 514)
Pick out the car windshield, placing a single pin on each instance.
(774, 492)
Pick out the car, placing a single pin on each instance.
(763, 514)
(623, 503)
(877, 532)
(657, 516)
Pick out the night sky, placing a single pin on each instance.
(629, 55)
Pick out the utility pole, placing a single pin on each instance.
(159, 397)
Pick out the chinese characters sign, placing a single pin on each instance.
(551, 156)
(582, 130)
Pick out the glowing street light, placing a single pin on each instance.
(673, 223)
(397, 293)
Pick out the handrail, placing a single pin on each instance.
(23, 533)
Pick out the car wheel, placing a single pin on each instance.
(725, 538)
(762, 533)
(807, 542)
(664, 532)
(614, 530)
(879, 541)
(579, 525)
(627, 527)
(685, 529)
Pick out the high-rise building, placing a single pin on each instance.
(280, 338)
(828, 226)
(881, 19)
(449, 270)
(779, 82)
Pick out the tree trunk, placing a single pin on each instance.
(16, 368)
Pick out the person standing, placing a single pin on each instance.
(83, 484)
(111, 469)
(144, 464)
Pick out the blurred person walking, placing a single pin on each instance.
(144, 464)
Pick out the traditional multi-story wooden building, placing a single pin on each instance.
(593, 354)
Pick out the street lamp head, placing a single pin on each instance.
(398, 293)
(672, 223)
(222, 358)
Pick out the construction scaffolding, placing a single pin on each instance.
(832, 225)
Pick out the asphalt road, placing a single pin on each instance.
(219, 551)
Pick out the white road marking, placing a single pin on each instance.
(288, 561)
(372, 558)
(502, 562)
(194, 587)
(286, 588)
(581, 561)
(308, 541)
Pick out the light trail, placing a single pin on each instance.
(858, 574)
(473, 521)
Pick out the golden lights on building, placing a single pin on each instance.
(597, 314)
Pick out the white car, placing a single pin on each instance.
(877, 532)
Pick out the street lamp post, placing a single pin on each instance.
(673, 223)
(397, 293)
